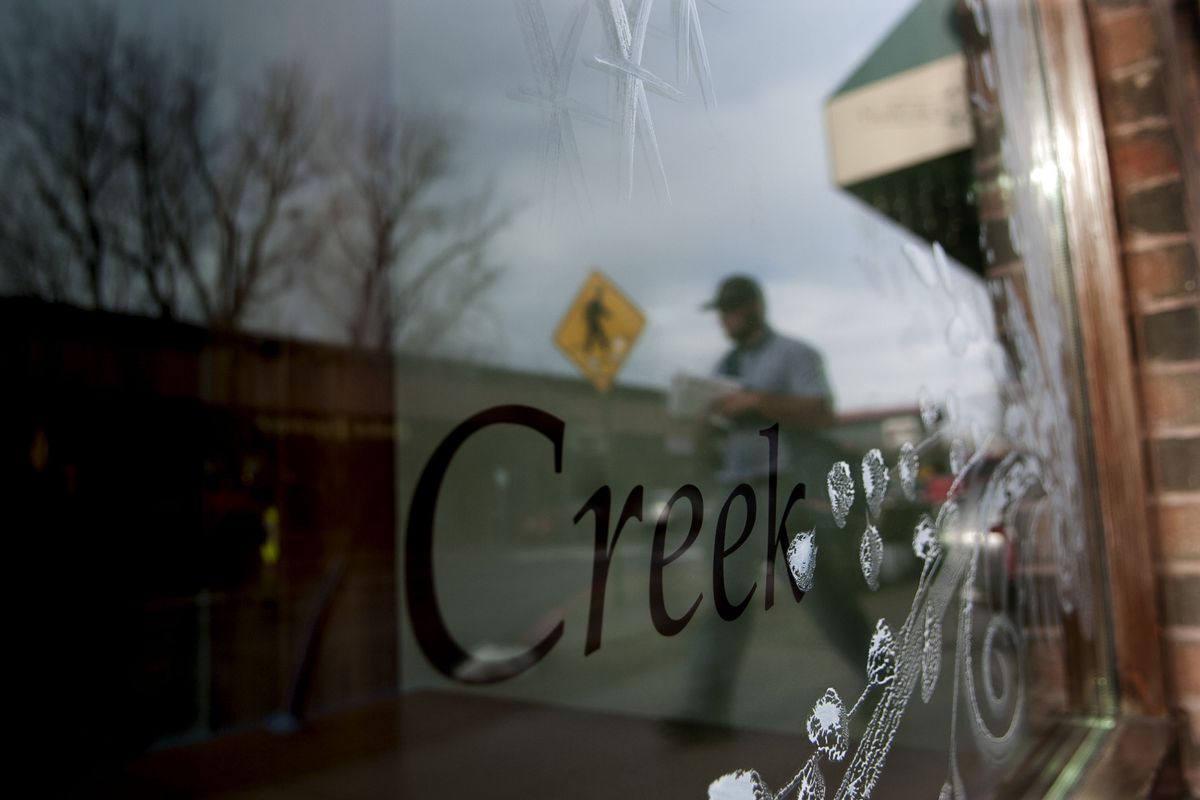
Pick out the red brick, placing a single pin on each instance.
(1158, 209)
(1185, 668)
(1152, 154)
(1124, 37)
(1172, 335)
(1177, 466)
(1171, 398)
(1164, 272)
(1179, 531)
(1181, 601)
(1134, 97)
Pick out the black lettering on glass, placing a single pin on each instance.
(600, 504)
(731, 611)
(664, 623)
(777, 538)
(429, 627)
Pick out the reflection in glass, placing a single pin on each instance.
(613, 395)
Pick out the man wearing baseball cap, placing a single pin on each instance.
(781, 380)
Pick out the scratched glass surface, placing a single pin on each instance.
(463, 487)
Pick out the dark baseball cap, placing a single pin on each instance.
(735, 292)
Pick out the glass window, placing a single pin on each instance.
(533, 398)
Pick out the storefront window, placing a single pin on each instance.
(544, 398)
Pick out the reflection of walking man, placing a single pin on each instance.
(594, 314)
(781, 380)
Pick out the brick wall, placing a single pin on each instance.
(1144, 55)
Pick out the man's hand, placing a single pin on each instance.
(799, 413)
(736, 403)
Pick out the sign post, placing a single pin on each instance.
(597, 333)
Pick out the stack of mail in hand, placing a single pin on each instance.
(691, 396)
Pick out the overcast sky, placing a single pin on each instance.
(749, 184)
(749, 181)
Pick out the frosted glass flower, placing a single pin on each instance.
(960, 454)
(870, 556)
(874, 480)
(802, 559)
(881, 656)
(909, 465)
(740, 785)
(925, 542)
(931, 415)
(841, 491)
(828, 728)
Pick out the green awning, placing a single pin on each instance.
(900, 132)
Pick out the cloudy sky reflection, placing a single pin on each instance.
(749, 180)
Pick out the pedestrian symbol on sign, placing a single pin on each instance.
(595, 314)
(599, 330)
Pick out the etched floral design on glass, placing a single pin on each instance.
(841, 492)
(870, 556)
(802, 559)
(925, 542)
(908, 466)
(874, 480)
(881, 655)
(740, 785)
(828, 726)
(931, 654)
(812, 782)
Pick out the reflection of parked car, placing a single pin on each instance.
(991, 519)
(935, 489)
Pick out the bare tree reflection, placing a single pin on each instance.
(395, 244)
(138, 183)
(154, 98)
(252, 176)
(62, 155)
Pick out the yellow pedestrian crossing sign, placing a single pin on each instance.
(599, 330)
